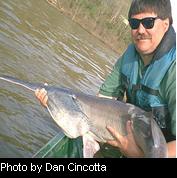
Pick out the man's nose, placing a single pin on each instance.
(141, 29)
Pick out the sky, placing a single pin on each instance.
(174, 7)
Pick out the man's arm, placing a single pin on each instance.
(168, 90)
(112, 86)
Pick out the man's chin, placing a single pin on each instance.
(144, 51)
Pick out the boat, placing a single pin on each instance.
(60, 146)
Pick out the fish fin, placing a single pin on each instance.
(90, 146)
(160, 146)
(148, 114)
(155, 133)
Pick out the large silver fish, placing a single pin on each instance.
(79, 114)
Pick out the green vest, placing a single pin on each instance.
(145, 92)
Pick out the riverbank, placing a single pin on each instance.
(106, 20)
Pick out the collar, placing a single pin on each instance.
(168, 42)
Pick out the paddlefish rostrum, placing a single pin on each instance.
(79, 114)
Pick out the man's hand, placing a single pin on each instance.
(41, 95)
(126, 144)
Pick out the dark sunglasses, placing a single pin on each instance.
(147, 22)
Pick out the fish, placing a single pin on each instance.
(80, 114)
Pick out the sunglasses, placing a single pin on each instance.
(147, 22)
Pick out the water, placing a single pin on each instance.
(39, 44)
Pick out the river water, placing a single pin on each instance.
(39, 44)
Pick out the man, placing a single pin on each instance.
(146, 73)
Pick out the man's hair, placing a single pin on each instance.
(160, 7)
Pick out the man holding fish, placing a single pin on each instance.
(145, 73)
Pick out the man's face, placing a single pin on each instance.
(147, 40)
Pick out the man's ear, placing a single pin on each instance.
(166, 24)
